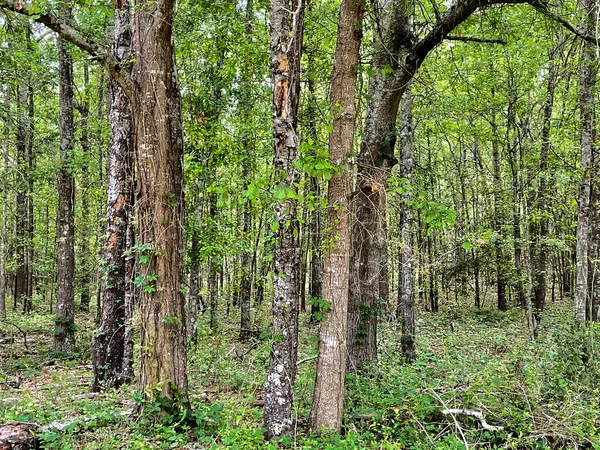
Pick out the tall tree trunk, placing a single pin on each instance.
(587, 87)
(248, 254)
(375, 162)
(30, 195)
(540, 263)
(498, 218)
(3, 231)
(246, 281)
(21, 228)
(286, 53)
(64, 334)
(406, 292)
(213, 272)
(108, 347)
(156, 106)
(85, 269)
(328, 401)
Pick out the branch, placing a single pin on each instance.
(477, 414)
(543, 8)
(475, 39)
(74, 36)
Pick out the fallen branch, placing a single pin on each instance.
(477, 414)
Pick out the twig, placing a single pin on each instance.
(308, 358)
(476, 39)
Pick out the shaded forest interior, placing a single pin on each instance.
(299, 224)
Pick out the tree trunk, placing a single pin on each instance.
(108, 347)
(85, 270)
(406, 293)
(195, 262)
(375, 162)
(539, 239)
(328, 401)
(3, 231)
(286, 53)
(587, 87)
(64, 334)
(246, 281)
(498, 217)
(21, 228)
(156, 106)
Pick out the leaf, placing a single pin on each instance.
(467, 246)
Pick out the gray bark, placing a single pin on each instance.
(112, 343)
(286, 51)
(64, 337)
(587, 87)
(406, 292)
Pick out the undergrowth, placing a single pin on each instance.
(532, 395)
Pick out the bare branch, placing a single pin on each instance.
(74, 36)
(475, 39)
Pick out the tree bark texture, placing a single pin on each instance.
(108, 347)
(328, 400)
(158, 137)
(406, 289)
(587, 86)
(286, 51)
(375, 162)
(22, 269)
(84, 264)
(64, 337)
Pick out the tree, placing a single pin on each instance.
(64, 338)
(158, 145)
(286, 52)
(112, 345)
(328, 399)
(587, 85)
(406, 292)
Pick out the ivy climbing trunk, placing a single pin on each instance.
(64, 334)
(158, 143)
(110, 345)
(286, 52)
(328, 400)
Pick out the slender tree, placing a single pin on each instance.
(64, 336)
(587, 86)
(328, 400)
(286, 52)
(110, 341)
(406, 292)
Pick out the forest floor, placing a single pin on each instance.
(531, 395)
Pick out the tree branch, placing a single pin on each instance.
(543, 9)
(71, 34)
(475, 39)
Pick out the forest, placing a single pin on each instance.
(316, 224)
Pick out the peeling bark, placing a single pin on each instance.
(112, 344)
(286, 52)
